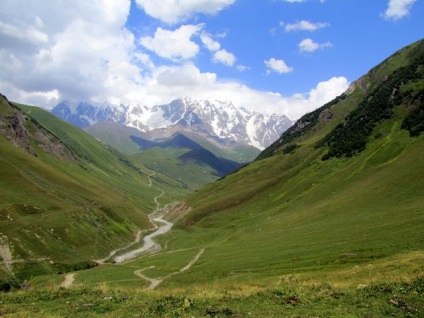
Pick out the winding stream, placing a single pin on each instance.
(148, 243)
(162, 226)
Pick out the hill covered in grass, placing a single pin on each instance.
(322, 224)
(301, 210)
(184, 156)
(66, 199)
(343, 187)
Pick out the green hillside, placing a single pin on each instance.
(118, 136)
(65, 198)
(306, 207)
(294, 213)
(327, 222)
(186, 157)
(186, 161)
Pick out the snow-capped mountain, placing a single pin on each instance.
(85, 115)
(217, 120)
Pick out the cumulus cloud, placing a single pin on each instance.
(210, 43)
(219, 55)
(64, 47)
(187, 75)
(174, 45)
(304, 25)
(81, 51)
(308, 45)
(398, 9)
(174, 11)
(224, 57)
(276, 65)
(172, 82)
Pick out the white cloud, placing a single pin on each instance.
(82, 51)
(219, 55)
(299, 1)
(304, 25)
(224, 57)
(172, 82)
(68, 47)
(210, 43)
(30, 34)
(278, 66)
(175, 11)
(308, 45)
(187, 75)
(174, 45)
(242, 68)
(398, 9)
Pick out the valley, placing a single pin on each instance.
(326, 221)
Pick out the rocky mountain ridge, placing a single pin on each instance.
(218, 120)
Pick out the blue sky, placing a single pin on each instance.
(284, 56)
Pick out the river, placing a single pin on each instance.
(148, 243)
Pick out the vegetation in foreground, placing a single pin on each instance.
(287, 298)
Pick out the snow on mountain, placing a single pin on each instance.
(85, 115)
(220, 120)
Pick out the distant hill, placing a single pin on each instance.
(65, 197)
(182, 159)
(169, 155)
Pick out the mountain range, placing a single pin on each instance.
(225, 137)
(217, 121)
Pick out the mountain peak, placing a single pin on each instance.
(216, 119)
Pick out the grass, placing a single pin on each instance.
(294, 214)
(73, 202)
(190, 176)
(287, 236)
(287, 297)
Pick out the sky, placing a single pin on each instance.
(272, 56)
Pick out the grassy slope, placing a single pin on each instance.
(190, 175)
(296, 214)
(117, 135)
(191, 168)
(58, 213)
(289, 235)
(241, 153)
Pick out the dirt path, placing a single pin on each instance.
(156, 201)
(6, 255)
(150, 178)
(154, 282)
(194, 260)
(69, 279)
